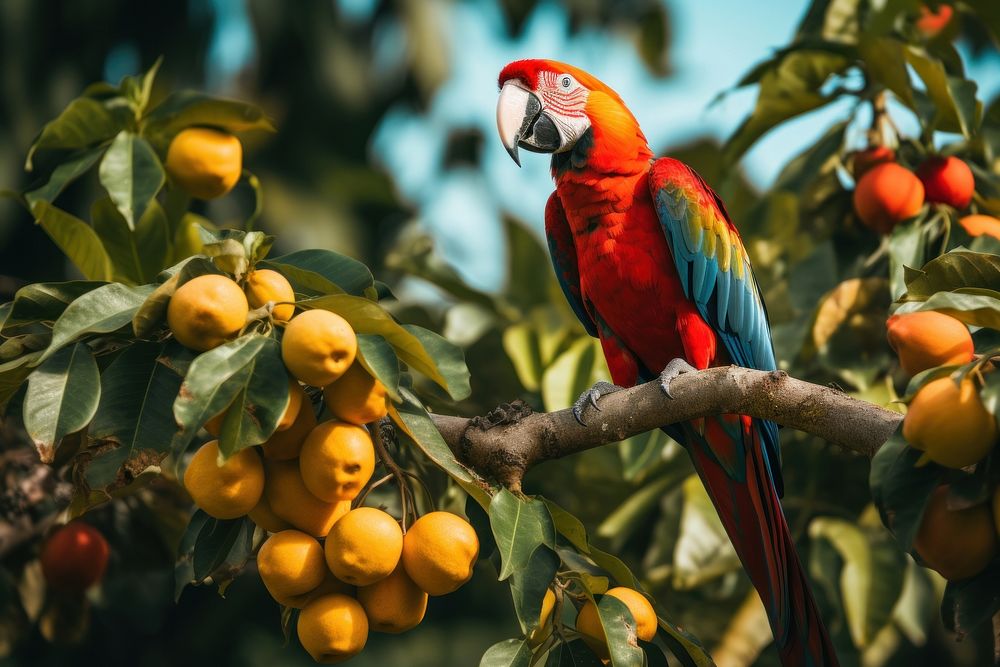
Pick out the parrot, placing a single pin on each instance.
(654, 268)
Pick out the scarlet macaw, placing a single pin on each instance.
(653, 266)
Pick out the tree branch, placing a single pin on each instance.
(505, 452)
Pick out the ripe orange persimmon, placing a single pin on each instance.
(927, 339)
(74, 557)
(957, 543)
(981, 225)
(947, 180)
(886, 195)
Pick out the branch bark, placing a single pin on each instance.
(506, 451)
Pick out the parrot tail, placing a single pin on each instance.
(753, 518)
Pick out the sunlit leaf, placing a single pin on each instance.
(103, 310)
(519, 527)
(132, 175)
(76, 239)
(508, 653)
(380, 360)
(81, 124)
(323, 271)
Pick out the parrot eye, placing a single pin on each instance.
(566, 82)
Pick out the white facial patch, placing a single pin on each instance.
(565, 100)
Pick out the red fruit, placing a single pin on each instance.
(74, 557)
(947, 180)
(870, 157)
(931, 22)
(886, 195)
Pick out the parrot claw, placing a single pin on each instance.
(590, 396)
(674, 368)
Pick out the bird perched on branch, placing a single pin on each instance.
(654, 267)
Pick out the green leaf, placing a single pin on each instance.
(508, 653)
(64, 174)
(184, 567)
(103, 310)
(213, 381)
(981, 310)
(153, 310)
(44, 302)
(137, 254)
(448, 358)
(323, 271)
(573, 654)
(263, 397)
(220, 541)
(527, 588)
(380, 360)
(137, 392)
(870, 580)
(954, 270)
(367, 317)
(971, 602)
(76, 239)
(520, 527)
(572, 372)
(955, 107)
(187, 108)
(790, 88)
(900, 489)
(62, 397)
(13, 373)
(132, 175)
(620, 631)
(885, 60)
(81, 124)
(907, 248)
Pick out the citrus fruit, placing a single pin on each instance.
(332, 628)
(291, 501)
(286, 444)
(225, 491)
(264, 516)
(926, 339)
(947, 421)
(264, 285)
(588, 622)
(394, 604)
(205, 163)
(439, 551)
(207, 311)
(74, 557)
(337, 460)
(318, 346)
(357, 397)
(364, 546)
(291, 565)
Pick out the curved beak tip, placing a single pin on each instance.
(512, 151)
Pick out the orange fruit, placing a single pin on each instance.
(264, 285)
(286, 444)
(74, 557)
(931, 22)
(337, 460)
(957, 543)
(332, 628)
(948, 422)
(947, 180)
(588, 622)
(980, 225)
(227, 490)
(926, 339)
(394, 604)
(265, 518)
(357, 397)
(295, 397)
(543, 630)
(291, 501)
(291, 565)
(364, 546)
(318, 347)
(865, 159)
(205, 163)
(439, 552)
(207, 311)
(887, 194)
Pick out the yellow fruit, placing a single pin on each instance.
(332, 628)
(948, 422)
(926, 339)
(544, 627)
(291, 501)
(318, 346)
(265, 285)
(286, 444)
(295, 396)
(957, 543)
(265, 518)
(337, 460)
(439, 551)
(207, 311)
(357, 397)
(588, 623)
(224, 491)
(291, 565)
(206, 163)
(394, 604)
(364, 546)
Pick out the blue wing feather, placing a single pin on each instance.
(563, 253)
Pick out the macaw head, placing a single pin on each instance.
(548, 107)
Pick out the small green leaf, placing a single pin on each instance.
(448, 358)
(519, 527)
(62, 397)
(187, 108)
(13, 373)
(980, 309)
(885, 59)
(620, 632)
(573, 654)
(64, 174)
(572, 373)
(970, 603)
(954, 270)
(137, 254)
(380, 360)
(220, 541)
(508, 653)
(44, 302)
(954, 105)
(900, 489)
(76, 239)
(528, 587)
(263, 397)
(184, 567)
(83, 123)
(323, 271)
(103, 310)
(132, 175)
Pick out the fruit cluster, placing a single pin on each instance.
(348, 570)
(948, 422)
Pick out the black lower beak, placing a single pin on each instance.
(543, 136)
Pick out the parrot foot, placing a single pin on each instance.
(504, 414)
(674, 368)
(590, 397)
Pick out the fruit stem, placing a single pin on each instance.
(371, 487)
(405, 495)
